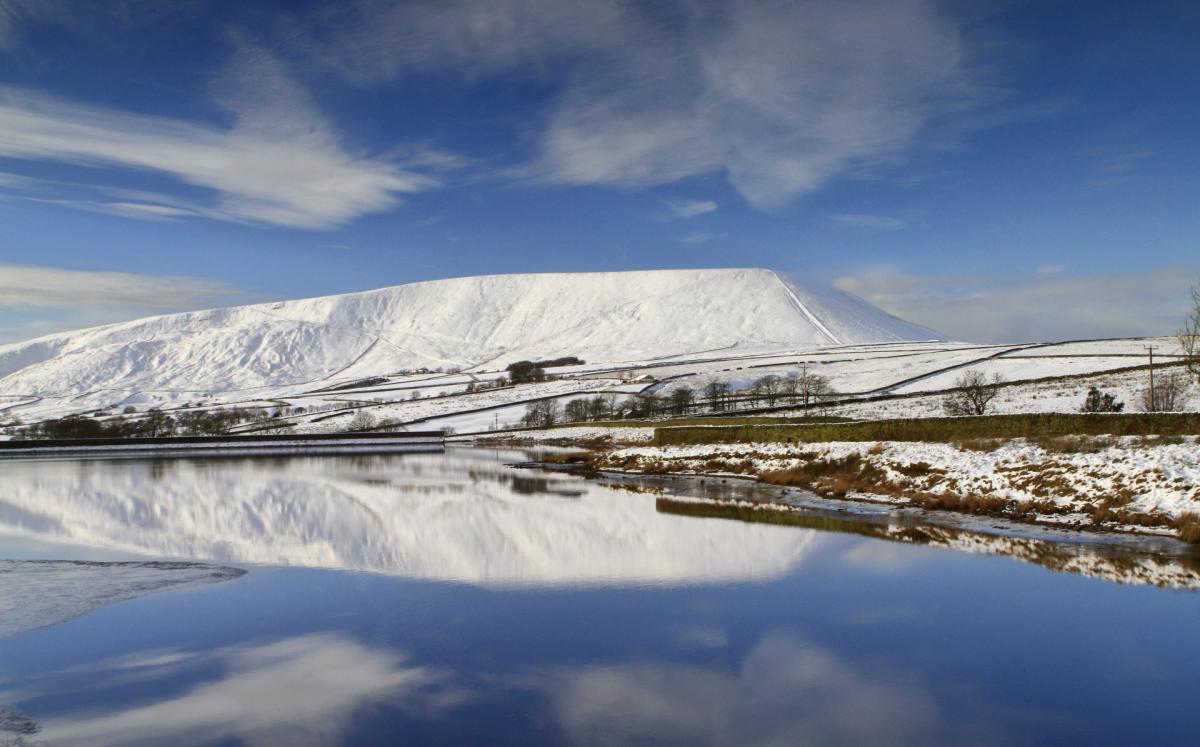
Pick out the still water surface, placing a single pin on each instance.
(451, 599)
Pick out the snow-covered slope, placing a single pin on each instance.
(618, 316)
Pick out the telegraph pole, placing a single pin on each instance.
(1153, 401)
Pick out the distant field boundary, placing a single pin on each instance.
(844, 398)
(940, 429)
(715, 419)
(227, 444)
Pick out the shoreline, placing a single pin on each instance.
(1108, 487)
(785, 498)
(1115, 556)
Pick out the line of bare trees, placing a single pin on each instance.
(800, 388)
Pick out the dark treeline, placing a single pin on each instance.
(153, 424)
(525, 372)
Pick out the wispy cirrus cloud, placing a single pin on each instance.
(690, 208)
(13, 13)
(36, 301)
(280, 163)
(698, 237)
(85, 16)
(780, 97)
(32, 286)
(1045, 305)
(869, 221)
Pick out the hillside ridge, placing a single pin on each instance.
(457, 322)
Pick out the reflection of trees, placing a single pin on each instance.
(1111, 564)
(522, 485)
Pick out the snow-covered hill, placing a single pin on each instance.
(462, 322)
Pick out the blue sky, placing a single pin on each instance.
(1028, 171)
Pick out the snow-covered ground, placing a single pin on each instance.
(1134, 474)
(640, 333)
(484, 321)
(1044, 396)
(917, 371)
(616, 434)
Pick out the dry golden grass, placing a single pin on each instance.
(1187, 526)
(1074, 444)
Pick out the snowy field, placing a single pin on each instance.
(910, 378)
(432, 355)
(1138, 475)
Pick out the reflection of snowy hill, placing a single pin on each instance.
(461, 517)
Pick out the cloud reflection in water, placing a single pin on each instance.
(299, 691)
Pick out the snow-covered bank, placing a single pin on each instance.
(1130, 483)
(589, 434)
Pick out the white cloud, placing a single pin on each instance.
(140, 210)
(279, 163)
(1046, 306)
(88, 17)
(12, 14)
(784, 691)
(779, 96)
(690, 208)
(36, 301)
(1119, 162)
(874, 222)
(25, 286)
(300, 691)
(375, 40)
(697, 237)
(701, 636)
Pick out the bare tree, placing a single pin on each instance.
(541, 414)
(1189, 336)
(791, 385)
(769, 388)
(821, 395)
(1168, 395)
(806, 388)
(972, 394)
(576, 411)
(631, 406)
(716, 392)
(362, 421)
(652, 406)
(682, 399)
(612, 402)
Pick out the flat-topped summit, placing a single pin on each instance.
(460, 322)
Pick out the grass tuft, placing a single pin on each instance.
(1187, 525)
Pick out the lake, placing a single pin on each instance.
(454, 599)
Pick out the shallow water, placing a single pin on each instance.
(452, 599)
